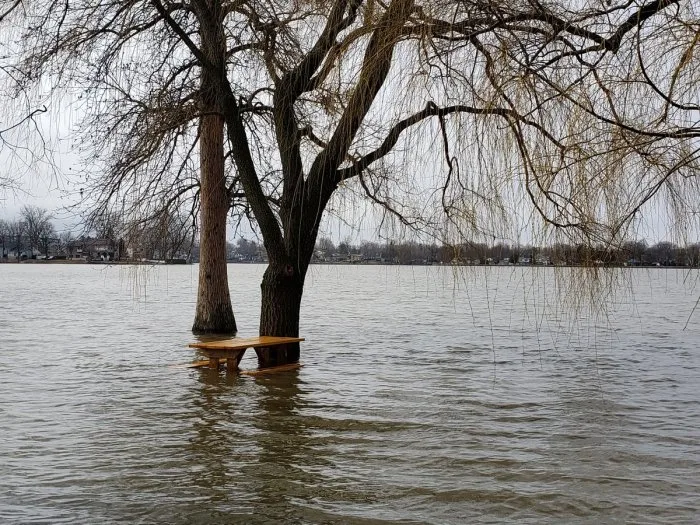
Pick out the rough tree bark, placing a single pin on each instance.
(281, 290)
(214, 312)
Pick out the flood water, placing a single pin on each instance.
(426, 396)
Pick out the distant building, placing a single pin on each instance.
(24, 253)
(98, 249)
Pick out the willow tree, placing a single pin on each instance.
(293, 102)
(19, 135)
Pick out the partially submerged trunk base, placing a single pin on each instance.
(269, 356)
(220, 322)
(281, 289)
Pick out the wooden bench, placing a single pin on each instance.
(232, 349)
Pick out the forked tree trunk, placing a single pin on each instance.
(214, 311)
(282, 287)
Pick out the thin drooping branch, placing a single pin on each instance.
(431, 110)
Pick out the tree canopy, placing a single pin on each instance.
(585, 107)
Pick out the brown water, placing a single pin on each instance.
(425, 397)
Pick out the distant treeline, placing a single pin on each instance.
(633, 253)
(32, 234)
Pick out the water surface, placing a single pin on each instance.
(426, 396)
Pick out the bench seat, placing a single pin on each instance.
(232, 349)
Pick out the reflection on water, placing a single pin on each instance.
(422, 399)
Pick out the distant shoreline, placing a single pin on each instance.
(84, 261)
(345, 263)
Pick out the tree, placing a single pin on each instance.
(65, 243)
(524, 98)
(664, 253)
(249, 250)
(108, 224)
(167, 236)
(38, 227)
(4, 237)
(692, 256)
(326, 247)
(16, 231)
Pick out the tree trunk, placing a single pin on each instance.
(214, 311)
(282, 287)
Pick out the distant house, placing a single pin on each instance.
(94, 249)
(23, 254)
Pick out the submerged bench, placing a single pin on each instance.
(232, 349)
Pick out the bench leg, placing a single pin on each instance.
(233, 362)
(214, 363)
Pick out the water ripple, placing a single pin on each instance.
(422, 400)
